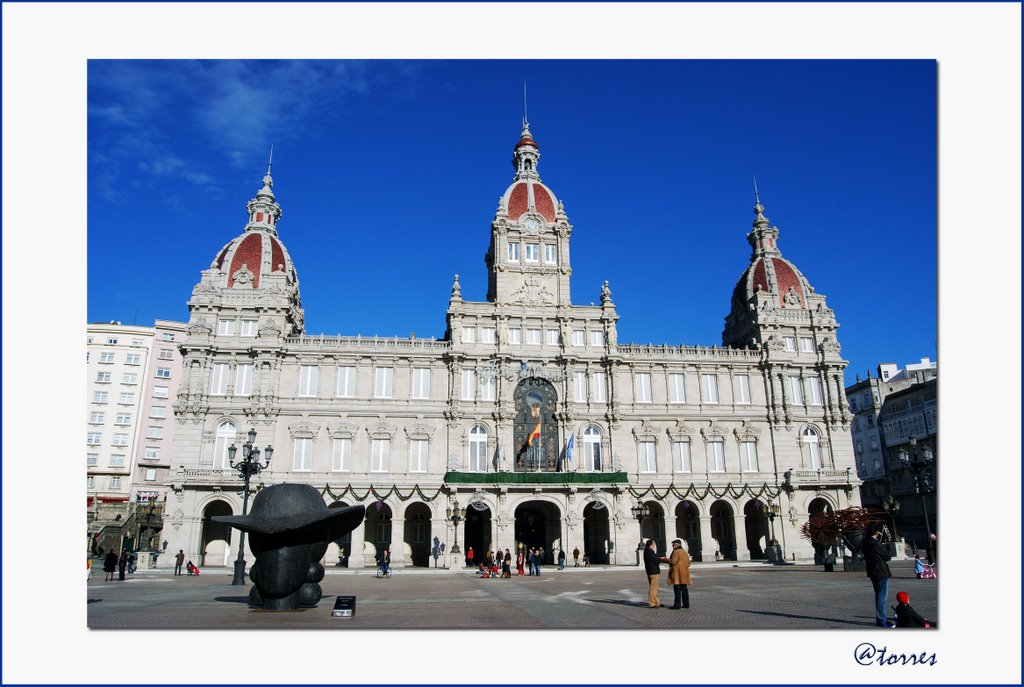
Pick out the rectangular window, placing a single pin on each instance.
(163, 372)
(598, 388)
(382, 378)
(597, 338)
(806, 344)
(513, 252)
(468, 385)
(248, 328)
(92, 459)
(812, 390)
(421, 382)
(716, 456)
(154, 432)
(748, 456)
(117, 460)
(132, 359)
(488, 387)
(550, 253)
(161, 392)
(551, 337)
(515, 336)
(709, 388)
(219, 381)
(243, 380)
(532, 252)
(303, 455)
(115, 483)
(647, 458)
(580, 384)
(741, 389)
(418, 455)
(89, 482)
(341, 455)
(152, 453)
(96, 418)
(158, 411)
(469, 335)
(487, 335)
(533, 337)
(123, 419)
(103, 377)
(166, 337)
(99, 397)
(795, 391)
(676, 389)
(106, 357)
(166, 354)
(93, 438)
(380, 455)
(346, 382)
(789, 343)
(130, 378)
(151, 474)
(681, 456)
(111, 341)
(874, 443)
(225, 327)
(579, 337)
(307, 380)
(126, 398)
(120, 440)
(642, 387)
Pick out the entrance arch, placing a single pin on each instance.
(596, 533)
(214, 547)
(653, 526)
(723, 529)
(378, 529)
(417, 534)
(755, 526)
(688, 527)
(477, 531)
(820, 506)
(539, 524)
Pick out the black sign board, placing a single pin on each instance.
(344, 607)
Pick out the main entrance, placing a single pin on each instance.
(539, 525)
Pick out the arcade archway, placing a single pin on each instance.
(215, 542)
(723, 529)
(539, 525)
(596, 533)
(417, 534)
(755, 527)
(688, 527)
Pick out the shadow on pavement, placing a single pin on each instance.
(233, 599)
(93, 601)
(807, 617)
(620, 602)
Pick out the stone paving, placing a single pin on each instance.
(723, 596)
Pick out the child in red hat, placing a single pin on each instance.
(906, 616)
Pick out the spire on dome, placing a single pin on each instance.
(526, 155)
(763, 237)
(264, 212)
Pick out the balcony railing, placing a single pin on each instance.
(536, 478)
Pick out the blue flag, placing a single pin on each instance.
(570, 446)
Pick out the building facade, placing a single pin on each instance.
(529, 414)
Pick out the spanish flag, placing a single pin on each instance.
(535, 434)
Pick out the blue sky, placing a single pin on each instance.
(389, 173)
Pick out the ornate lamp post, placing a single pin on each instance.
(455, 515)
(248, 467)
(918, 463)
(891, 506)
(641, 511)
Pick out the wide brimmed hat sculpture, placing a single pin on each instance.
(290, 527)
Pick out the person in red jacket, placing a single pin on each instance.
(906, 616)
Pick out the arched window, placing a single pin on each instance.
(478, 449)
(592, 449)
(810, 447)
(225, 437)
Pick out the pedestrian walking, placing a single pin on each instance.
(530, 559)
(520, 563)
(132, 560)
(506, 568)
(576, 557)
(561, 559)
(652, 566)
(179, 560)
(875, 557)
(122, 563)
(538, 559)
(469, 556)
(109, 566)
(679, 574)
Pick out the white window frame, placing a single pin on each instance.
(126, 398)
(469, 335)
(796, 391)
(158, 411)
(118, 460)
(810, 448)
(642, 387)
(130, 378)
(579, 379)
(741, 389)
(709, 388)
(789, 343)
(515, 335)
(302, 456)
(132, 359)
(341, 454)
(152, 453)
(248, 328)
(346, 385)
(100, 396)
(477, 448)
(94, 438)
(812, 391)
(579, 337)
(224, 437)
(488, 388)
(597, 338)
(380, 455)
(716, 455)
(806, 344)
(123, 419)
(219, 379)
(513, 251)
(550, 254)
(150, 475)
(418, 455)
(115, 484)
(102, 377)
(533, 337)
(106, 357)
(97, 418)
(383, 382)
(592, 449)
(163, 373)
(598, 387)
(243, 379)
(487, 335)
(647, 456)
(92, 459)
(154, 432)
(166, 354)
(682, 459)
(119, 439)
(225, 327)
(161, 392)
(676, 387)
(531, 252)
(551, 337)
(468, 385)
(420, 383)
(748, 456)
(308, 378)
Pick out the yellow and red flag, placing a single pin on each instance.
(535, 434)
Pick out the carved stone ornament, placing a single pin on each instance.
(303, 429)
(712, 431)
(792, 297)
(456, 289)
(453, 463)
(342, 429)
(774, 343)
(268, 329)
(829, 345)
(606, 293)
(532, 293)
(747, 432)
(243, 277)
(199, 326)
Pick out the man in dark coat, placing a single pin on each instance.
(652, 565)
(875, 556)
(110, 566)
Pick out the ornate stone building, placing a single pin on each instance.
(530, 414)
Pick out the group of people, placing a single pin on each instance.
(113, 563)
(527, 561)
(678, 573)
(876, 557)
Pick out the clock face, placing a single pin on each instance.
(532, 225)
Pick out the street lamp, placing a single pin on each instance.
(248, 467)
(641, 511)
(455, 515)
(918, 463)
(774, 511)
(891, 505)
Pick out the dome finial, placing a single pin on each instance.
(267, 179)
(758, 208)
(526, 111)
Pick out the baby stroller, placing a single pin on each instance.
(191, 569)
(928, 571)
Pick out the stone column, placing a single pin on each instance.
(355, 556)
(740, 537)
(398, 557)
(708, 543)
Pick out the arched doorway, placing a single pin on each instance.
(214, 546)
(653, 526)
(478, 530)
(596, 533)
(340, 549)
(817, 507)
(378, 529)
(539, 525)
(417, 534)
(723, 529)
(688, 527)
(536, 402)
(755, 526)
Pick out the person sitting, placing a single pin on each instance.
(192, 569)
(906, 616)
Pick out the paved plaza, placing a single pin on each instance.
(723, 596)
